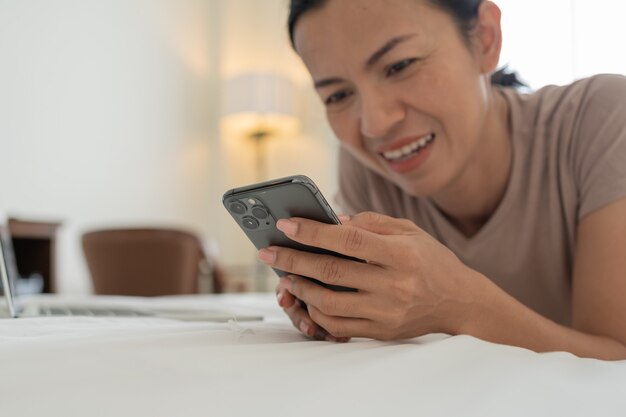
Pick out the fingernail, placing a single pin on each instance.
(343, 218)
(304, 328)
(279, 298)
(330, 338)
(287, 227)
(267, 255)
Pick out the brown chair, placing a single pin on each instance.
(145, 262)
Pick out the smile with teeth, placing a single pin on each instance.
(408, 150)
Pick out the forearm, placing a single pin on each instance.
(497, 317)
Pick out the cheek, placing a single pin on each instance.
(449, 80)
(345, 127)
(456, 100)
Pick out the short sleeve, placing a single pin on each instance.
(600, 138)
(352, 196)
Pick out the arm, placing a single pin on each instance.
(599, 290)
(413, 286)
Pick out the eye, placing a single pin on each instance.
(399, 66)
(337, 97)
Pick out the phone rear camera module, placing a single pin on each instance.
(259, 212)
(250, 223)
(237, 207)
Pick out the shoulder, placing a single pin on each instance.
(584, 108)
(605, 88)
(579, 132)
(572, 103)
(595, 95)
(571, 116)
(597, 109)
(597, 143)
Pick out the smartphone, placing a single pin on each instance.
(256, 208)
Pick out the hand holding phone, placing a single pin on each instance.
(257, 208)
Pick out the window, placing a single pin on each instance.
(558, 41)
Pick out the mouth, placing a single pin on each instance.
(409, 150)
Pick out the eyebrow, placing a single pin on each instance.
(386, 48)
(326, 82)
(376, 56)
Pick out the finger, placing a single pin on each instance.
(381, 224)
(343, 328)
(302, 321)
(328, 269)
(285, 298)
(332, 303)
(344, 239)
(343, 218)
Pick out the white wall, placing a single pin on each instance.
(106, 116)
(109, 115)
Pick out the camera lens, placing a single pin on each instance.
(250, 223)
(237, 207)
(259, 212)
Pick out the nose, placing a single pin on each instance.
(380, 112)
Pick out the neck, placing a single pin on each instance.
(474, 195)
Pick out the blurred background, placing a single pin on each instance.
(112, 111)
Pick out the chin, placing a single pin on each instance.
(421, 189)
(417, 187)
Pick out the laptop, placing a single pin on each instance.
(39, 308)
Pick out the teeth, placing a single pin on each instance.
(409, 149)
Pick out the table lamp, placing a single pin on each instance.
(259, 106)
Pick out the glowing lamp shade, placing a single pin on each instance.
(258, 105)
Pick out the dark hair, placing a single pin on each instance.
(464, 12)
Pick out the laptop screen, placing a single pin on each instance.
(7, 269)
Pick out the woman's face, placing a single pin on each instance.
(403, 91)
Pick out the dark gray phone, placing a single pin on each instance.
(257, 207)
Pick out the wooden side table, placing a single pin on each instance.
(34, 244)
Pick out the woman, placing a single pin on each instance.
(502, 215)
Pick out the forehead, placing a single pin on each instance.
(353, 29)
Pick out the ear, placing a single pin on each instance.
(487, 36)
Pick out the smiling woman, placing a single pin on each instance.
(499, 215)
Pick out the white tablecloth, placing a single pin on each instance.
(158, 367)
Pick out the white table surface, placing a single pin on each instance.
(158, 367)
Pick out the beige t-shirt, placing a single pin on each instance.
(569, 159)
